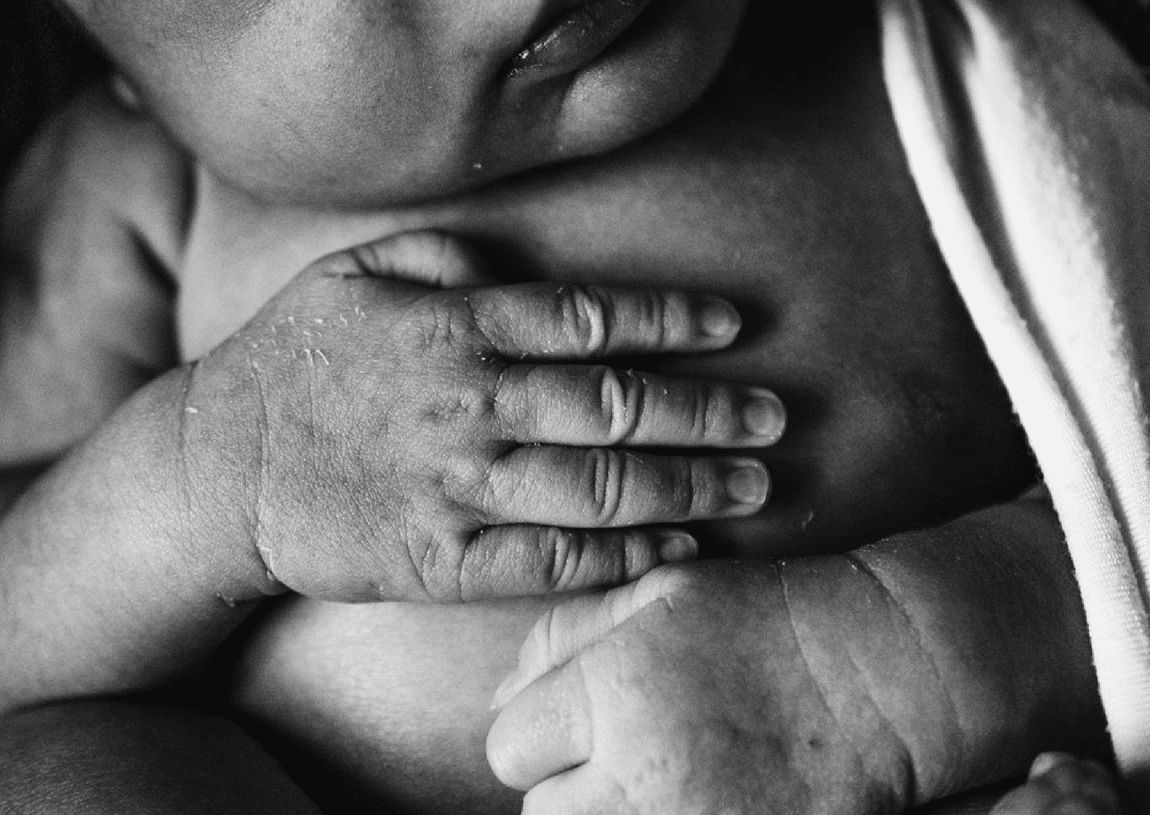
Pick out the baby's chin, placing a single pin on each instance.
(644, 81)
(368, 176)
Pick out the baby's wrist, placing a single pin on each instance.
(873, 678)
(989, 604)
(220, 451)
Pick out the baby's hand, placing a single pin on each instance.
(688, 691)
(1060, 784)
(394, 441)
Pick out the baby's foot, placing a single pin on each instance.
(1060, 784)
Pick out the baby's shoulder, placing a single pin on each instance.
(96, 160)
(91, 224)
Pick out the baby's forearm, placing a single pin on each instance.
(918, 667)
(969, 641)
(116, 573)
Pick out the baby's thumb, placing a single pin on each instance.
(425, 257)
(565, 630)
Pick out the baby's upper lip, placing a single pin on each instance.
(572, 33)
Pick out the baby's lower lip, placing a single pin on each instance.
(575, 38)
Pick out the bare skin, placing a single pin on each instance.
(822, 342)
(204, 492)
(1059, 784)
(772, 209)
(97, 757)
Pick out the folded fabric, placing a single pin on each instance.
(1027, 131)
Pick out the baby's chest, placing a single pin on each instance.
(804, 215)
(811, 227)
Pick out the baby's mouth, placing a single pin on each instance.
(575, 37)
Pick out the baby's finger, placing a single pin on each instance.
(585, 322)
(567, 629)
(516, 561)
(543, 731)
(597, 405)
(604, 487)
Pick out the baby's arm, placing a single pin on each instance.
(917, 667)
(90, 222)
(360, 439)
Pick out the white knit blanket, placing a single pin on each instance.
(1027, 130)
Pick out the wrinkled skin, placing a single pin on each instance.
(834, 685)
(654, 715)
(414, 443)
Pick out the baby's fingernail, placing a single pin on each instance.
(719, 318)
(677, 547)
(1047, 762)
(764, 415)
(749, 483)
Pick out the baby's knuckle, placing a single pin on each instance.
(466, 482)
(620, 398)
(507, 412)
(588, 317)
(681, 489)
(474, 401)
(417, 569)
(478, 570)
(656, 316)
(444, 570)
(711, 413)
(498, 485)
(562, 554)
(605, 475)
(441, 326)
(699, 416)
(651, 316)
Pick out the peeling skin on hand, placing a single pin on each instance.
(311, 355)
